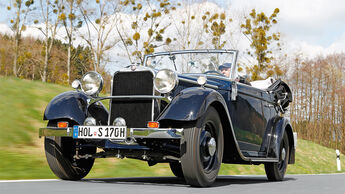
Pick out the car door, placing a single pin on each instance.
(248, 120)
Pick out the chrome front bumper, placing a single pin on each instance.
(166, 133)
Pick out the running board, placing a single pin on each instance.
(263, 160)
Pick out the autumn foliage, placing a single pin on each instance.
(31, 60)
(318, 109)
(258, 29)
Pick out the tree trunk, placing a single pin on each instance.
(46, 59)
(47, 49)
(70, 39)
(69, 64)
(98, 59)
(17, 37)
(15, 55)
(33, 72)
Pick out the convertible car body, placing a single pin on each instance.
(177, 109)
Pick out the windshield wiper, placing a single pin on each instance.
(172, 57)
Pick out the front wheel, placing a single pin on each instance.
(59, 153)
(202, 150)
(276, 171)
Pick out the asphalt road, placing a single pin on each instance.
(328, 183)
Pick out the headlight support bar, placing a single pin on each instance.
(125, 97)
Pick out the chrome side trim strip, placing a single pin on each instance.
(195, 82)
(263, 159)
(211, 76)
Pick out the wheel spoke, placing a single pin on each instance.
(204, 156)
(206, 135)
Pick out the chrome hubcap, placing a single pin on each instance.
(211, 144)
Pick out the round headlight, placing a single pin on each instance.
(92, 83)
(165, 80)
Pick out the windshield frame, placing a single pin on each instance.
(234, 59)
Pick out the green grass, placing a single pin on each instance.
(22, 104)
(16, 164)
(311, 158)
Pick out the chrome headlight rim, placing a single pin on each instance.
(99, 82)
(172, 86)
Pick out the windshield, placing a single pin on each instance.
(202, 61)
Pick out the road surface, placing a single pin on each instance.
(327, 183)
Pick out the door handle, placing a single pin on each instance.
(268, 105)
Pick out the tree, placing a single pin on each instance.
(21, 10)
(50, 12)
(214, 25)
(257, 28)
(101, 20)
(186, 29)
(70, 22)
(150, 18)
(317, 112)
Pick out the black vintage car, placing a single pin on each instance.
(175, 108)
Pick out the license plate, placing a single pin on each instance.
(100, 132)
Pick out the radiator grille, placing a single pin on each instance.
(136, 112)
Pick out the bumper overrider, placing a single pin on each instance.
(131, 133)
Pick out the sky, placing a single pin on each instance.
(312, 27)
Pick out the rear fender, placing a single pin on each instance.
(282, 125)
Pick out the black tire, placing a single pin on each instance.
(276, 171)
(200, 168)
(176, 169)
(59, 153)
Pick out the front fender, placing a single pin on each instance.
(190, 104)
(73, 105)
(70, 105)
